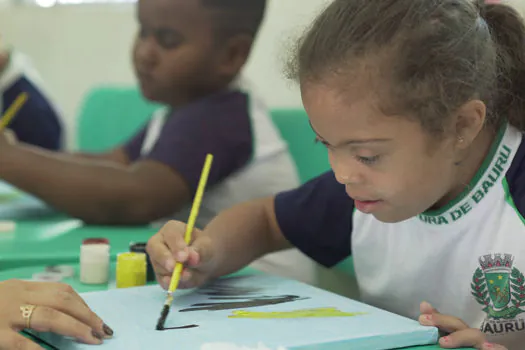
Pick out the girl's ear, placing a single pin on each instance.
(469, 121)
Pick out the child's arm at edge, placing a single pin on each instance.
(244, 233)
(98, 192)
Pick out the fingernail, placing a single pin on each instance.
(96, 335)
(445, 339)
(183, 255)
(170, 264)
(107, 330)
(166, 282)
(427, 304)
(185, 276)
(488, 345)
(428, 317)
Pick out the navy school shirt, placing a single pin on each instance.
(181, 138)
(37, 122)
(317, 219)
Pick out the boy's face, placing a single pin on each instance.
(390, 166)
(173, 52)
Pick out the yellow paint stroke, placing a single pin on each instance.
(319, 312)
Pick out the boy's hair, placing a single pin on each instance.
(233, 17)
(435, 54)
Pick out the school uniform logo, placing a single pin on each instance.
(500, 289)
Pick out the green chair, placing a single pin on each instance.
(109, 116)
(346, 266)
(310, 158)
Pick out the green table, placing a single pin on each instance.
(57, 241)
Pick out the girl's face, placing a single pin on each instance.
(389, 165)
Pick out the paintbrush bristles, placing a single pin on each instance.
(163, 317)
(164, 313)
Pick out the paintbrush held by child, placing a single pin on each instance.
(422, 114)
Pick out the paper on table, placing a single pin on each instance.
(296, 316)
(8, 192)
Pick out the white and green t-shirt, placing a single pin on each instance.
(467, 259)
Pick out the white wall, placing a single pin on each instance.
(76, 47)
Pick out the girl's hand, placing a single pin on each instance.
(460, 334)
(168, 247)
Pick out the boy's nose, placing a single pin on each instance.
(146, 55)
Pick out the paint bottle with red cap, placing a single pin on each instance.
(94, 261)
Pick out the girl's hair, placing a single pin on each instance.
(435, 54)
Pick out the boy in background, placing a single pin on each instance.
(188, 55)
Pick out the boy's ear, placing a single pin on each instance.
(234, 54)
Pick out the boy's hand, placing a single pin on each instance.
(461, 335)
(168, 247)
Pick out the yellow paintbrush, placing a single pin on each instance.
(177, 272)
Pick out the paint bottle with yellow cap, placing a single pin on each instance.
(131, 270)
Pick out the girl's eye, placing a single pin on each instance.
(368, 160)
(364, 160)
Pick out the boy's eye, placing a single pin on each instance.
(167, 39)
(368, 160)
(143, 32)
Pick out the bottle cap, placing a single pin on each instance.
(47, 277)
(65, 271)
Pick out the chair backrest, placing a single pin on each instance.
(109, 116)
(310, 158)
(346, 266)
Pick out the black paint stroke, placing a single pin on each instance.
(235, 297)
(39, 340)
(180, 327)
(224, 288)
(239, 298)
(243, 304)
